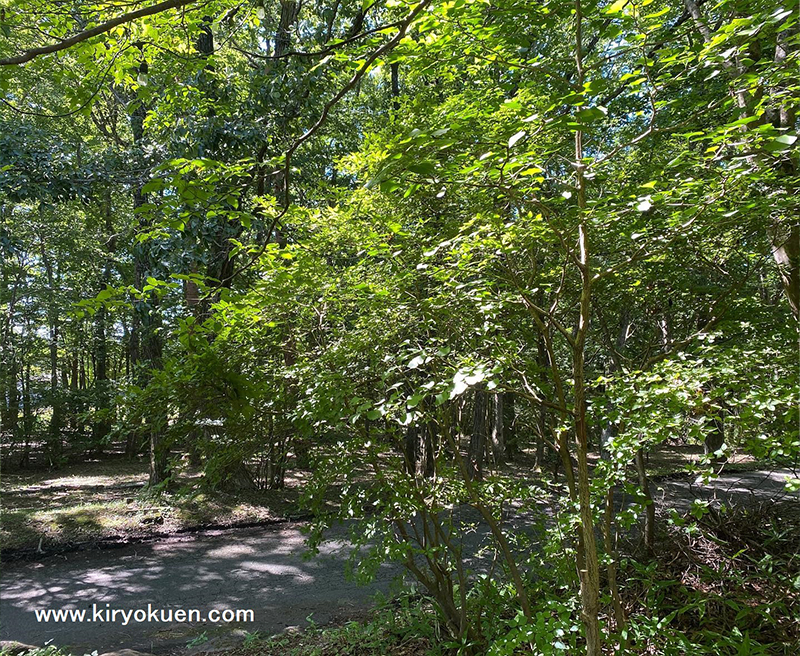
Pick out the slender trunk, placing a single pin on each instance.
(590, 572)
(54, 432)
(419, 450)
(496, 529)
(126, 351)
(102, 424)
(4, 383)
(785, 235)
(283, 38)
(72, 407)
(715, 438)
(428, 457)
(477, 444)
(5, 333)
(509, 425)
(395, 72)
(55, 402)
(542, 418)
(610, 540)
(74, 376)
(786, 251)
(12, 419)
(498, 437)
(146, 340)
(649, 506)
(27, 408)
(27, 414)
(410, 447)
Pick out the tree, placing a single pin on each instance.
(564, 221)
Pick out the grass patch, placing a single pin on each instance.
(107, 499)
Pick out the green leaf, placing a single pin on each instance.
(423, 168)
(781, 143)
(414, 401)
(515, 138)
(616, 7)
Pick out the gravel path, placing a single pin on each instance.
(262, 569)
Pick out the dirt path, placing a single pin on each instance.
(262, 569)
(741, 488)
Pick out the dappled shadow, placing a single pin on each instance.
(32, 528)
(52, 510)
(731, 488)
(47, 499)
(667, 459)
(256, 569)
(103, 471)
(262, 569)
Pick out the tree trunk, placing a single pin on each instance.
(419, 450)
(786, 231)
(498, 436)
(589, 572)
(477, 444)
(589, 575)
(54, 431)
(786, 251)
(395, 72)
(283, 38)
(12, 418)
(715, 438)
(610, 541)
(102, 424)
(27, 408)
(4, 383)
(145, 337)
(649, 506)
(509, 425)
(27, 414)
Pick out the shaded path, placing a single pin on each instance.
(740, 488)
(258, 568)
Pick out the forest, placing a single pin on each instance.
(497, 293)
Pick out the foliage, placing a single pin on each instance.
(398, 244)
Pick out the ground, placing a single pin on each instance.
(102, 502)
(261, 568)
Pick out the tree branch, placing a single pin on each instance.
(28, 55)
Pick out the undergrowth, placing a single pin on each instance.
(720, 581)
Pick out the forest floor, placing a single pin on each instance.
(264, 569)
(103, 502)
